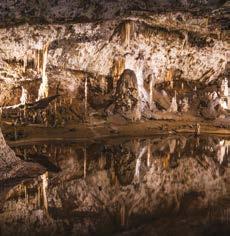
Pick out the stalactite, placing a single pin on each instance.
(44, 87)
(151, 93)
(118, 68)
(169, 76)
(86, 98)
(185, 42)
(24, 63)
(165, 161)
(127, 32)
(38, 61)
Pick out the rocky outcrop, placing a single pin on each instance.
(12, 168)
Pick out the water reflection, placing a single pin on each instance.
(122, 184)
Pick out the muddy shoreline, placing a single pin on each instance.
(107, 130)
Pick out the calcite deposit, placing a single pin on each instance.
(186, 46)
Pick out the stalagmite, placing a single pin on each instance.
(24, 96)
(185, 105)
(44, 87)
(173, 107)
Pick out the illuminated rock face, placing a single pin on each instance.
(62, 45)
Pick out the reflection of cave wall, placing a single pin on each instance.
(109, 192)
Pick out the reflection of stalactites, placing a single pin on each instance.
(44, 178)
(38, 61)
(26, 194)
(221, 150)
(123, 215)
(39, 197)
(197, 130)
(138, 165)
(85, 162)
(127, 32)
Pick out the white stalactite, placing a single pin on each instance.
(44, 87)
(86, 97)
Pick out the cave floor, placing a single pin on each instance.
(111, 129)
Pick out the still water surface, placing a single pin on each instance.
(173, 185)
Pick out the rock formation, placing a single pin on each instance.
(187, 44)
